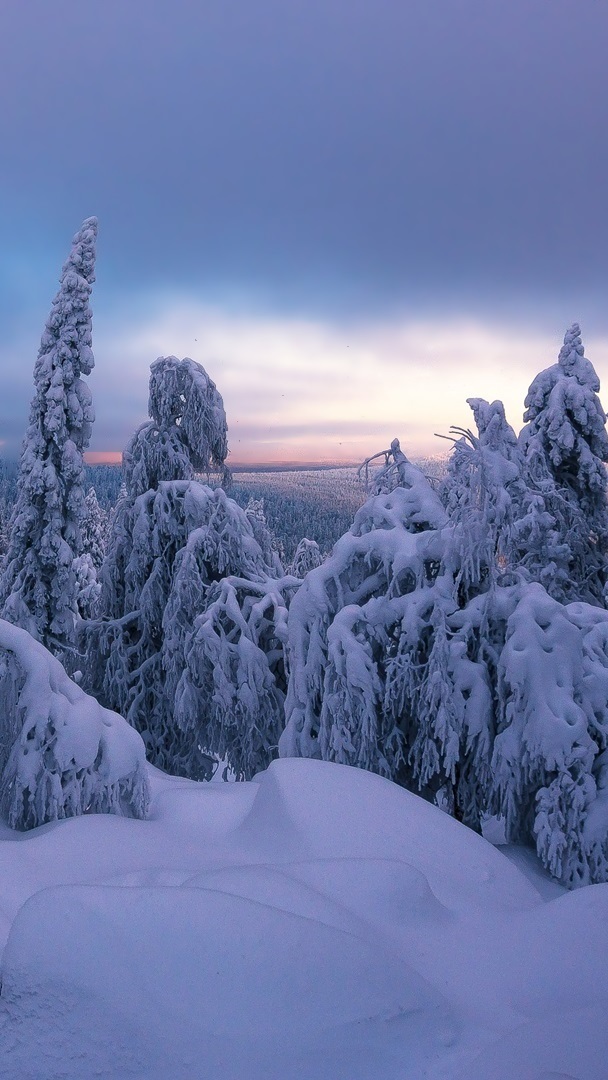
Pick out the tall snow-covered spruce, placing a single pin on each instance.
(38, 587)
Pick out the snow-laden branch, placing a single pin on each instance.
(61, 753)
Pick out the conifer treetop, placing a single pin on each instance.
(187, 433)
(38, 586)
(562, 407)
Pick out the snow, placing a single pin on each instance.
(61, 752)
(318, 922)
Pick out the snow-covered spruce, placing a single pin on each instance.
(61, 753)
(38, 586)
(548, 760)
(230, 695)
(417, 651)
(565, 445)
(268, 542)
(347, 615)
(483, 491)
(88, 587)
(94, 529)
(187, 433)
(173, 538)
(169, 545)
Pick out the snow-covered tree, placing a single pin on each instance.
(384, 471)
(61, 753)
(88, 587)
(94, 529)
(268, 543)
(230, 693)
(420, 650)
(187, 433)
(170, 545)
(549, 754)
(353, 616)
(173, 537)
(565, 446)
(307, 557)
(482, 492)
(5, 514)
(38, 587)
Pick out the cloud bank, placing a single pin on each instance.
(304, 389)
(297, 389)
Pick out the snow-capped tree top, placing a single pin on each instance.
(412, 505)
(68, 325)
(307, 557)
(566, 421)
(572, 359)
(82, 256)
(188, 432)
(494, 430)
(487, 462)
(182, 394)
(572, 365)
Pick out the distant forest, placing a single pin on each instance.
(316, 503)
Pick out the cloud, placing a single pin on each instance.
(324, 390)
(297, 388)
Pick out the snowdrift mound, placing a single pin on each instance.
(235, 983)
(319, 923)
(322, 810)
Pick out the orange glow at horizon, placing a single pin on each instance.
(114, 457)
(103, 457)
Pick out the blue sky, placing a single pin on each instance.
(354, 214)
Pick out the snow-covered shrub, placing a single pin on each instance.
(61, 753)
(38, 588)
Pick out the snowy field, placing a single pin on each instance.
(317, 923)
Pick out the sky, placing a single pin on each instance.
(354, 213)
